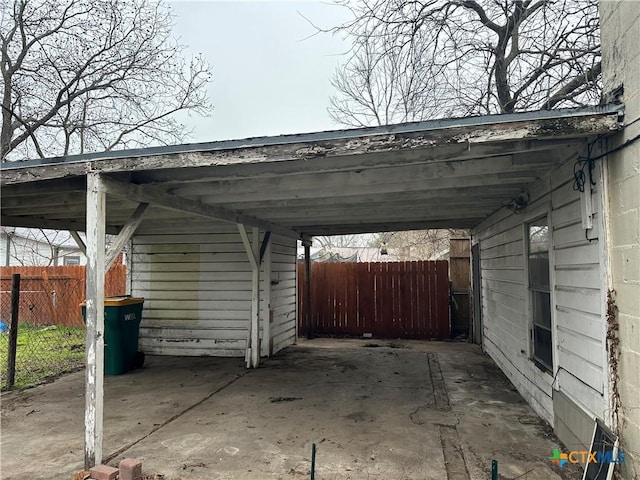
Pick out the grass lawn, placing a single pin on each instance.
(42, 352)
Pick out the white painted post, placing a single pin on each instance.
(266, 290)
(255, 301)
(93, 414)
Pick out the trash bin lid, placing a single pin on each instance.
(118, 301)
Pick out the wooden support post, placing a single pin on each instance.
(307, 286)
(93, 415)
(13, 329)
(125, 235)
(253, 253)
(265, 251)
(255, 301)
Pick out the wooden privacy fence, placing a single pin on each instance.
(52, 295)
(387, 300)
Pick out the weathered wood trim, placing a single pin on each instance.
(96, 212)
(247, 246)
(468, 136)
(253, 253)
(79, 241)
(173, 202)
(125, 234)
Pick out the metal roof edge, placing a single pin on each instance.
(327, 135)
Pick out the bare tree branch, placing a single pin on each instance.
(81, 76)
(418, 59)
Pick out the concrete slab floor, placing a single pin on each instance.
(376, 409)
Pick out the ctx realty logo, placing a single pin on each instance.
(585, 456)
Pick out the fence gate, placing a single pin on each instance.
(387, 300)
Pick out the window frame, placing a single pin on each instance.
(532, 290)
(71, 260)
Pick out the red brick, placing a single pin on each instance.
(103, 472)
(130, 469)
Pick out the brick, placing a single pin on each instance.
(103, 472)
(130, 469)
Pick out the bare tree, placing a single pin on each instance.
(341, 241)
(435, 58)
(81, 75)
(418, 244)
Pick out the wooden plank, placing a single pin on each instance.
(174, 202)
(387, 299)
(267, 300)
(125, 235)
(95, 221)
(255, 300)
(79, 241)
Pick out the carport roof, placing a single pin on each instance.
(441, 173)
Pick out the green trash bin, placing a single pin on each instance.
(122, 317)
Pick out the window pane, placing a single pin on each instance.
(542, 347)
(541, 309)
(539, 236)
(539, 271)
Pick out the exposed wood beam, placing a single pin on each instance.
(35, 188)
(321, 146)
(54, 224)
(125, 235)
(317, 230)
(173, 202)
(523, 152)
(45, 198)
(366, 215)
(474, 194)
(366, 176)
(344, 187)
(79, 242)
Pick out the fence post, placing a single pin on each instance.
(13, 330)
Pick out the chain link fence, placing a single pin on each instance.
(51, 333)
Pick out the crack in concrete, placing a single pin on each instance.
(113, 455)
(454, 461)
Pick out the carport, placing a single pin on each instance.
(449, 173)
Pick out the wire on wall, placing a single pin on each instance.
(584, 165)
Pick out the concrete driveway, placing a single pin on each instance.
(375, 410)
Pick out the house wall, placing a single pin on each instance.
(197, 289)
(620, 27)
(284, 303)
(26, 251)
(575, 391)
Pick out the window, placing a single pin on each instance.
(72, 260)
(540, 293)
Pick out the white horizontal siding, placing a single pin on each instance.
(197, 288)
(283, 292)
(578, 316)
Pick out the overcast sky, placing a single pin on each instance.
(269, 78)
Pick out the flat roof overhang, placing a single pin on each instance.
(450, 173)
